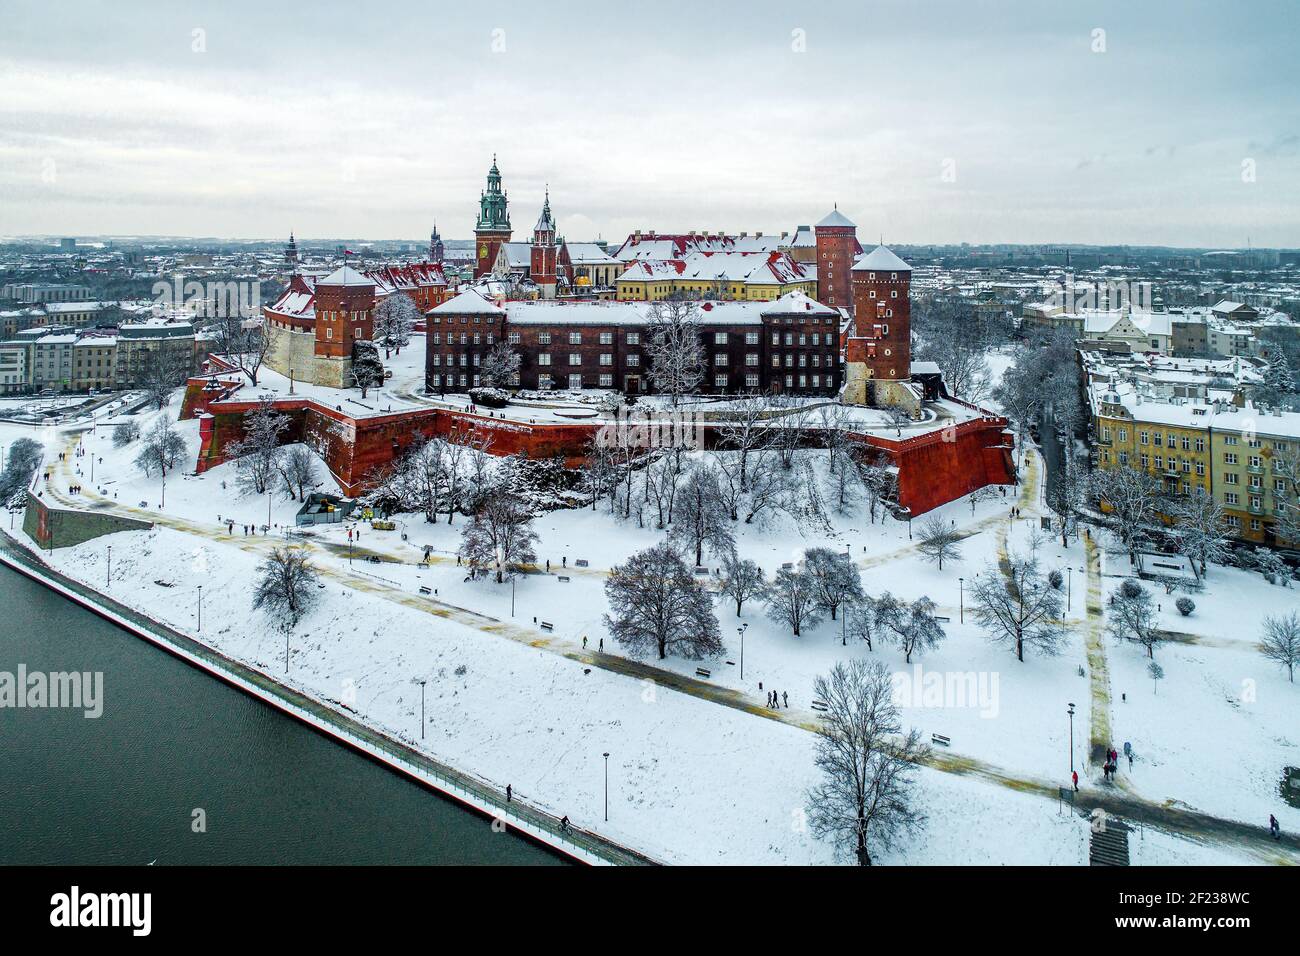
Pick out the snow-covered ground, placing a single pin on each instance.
(692, 779)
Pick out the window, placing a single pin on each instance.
(719, 338)
(720, 358)
(543, 338)
(634, 338)
(751, 338)
(575, 358)
(513, 338)
(720, 381)
(575, 338)
(606, 358)
(606, 338)
(544, 358)
(634, 360)
(1230, 479)
(1229, 458)
(751, 358)
(575, 381)
(606, 381)
(544, 381)
(751, 381)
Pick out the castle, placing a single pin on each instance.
(811, 314)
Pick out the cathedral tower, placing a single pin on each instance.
(543, 252)
(878, 355)
(493, 225)
(436, 250)
(836, 245)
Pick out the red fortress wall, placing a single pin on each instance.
(933, 469)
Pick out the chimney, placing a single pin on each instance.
(636, 237)
(784, 234)
(744, 235)
(758, 235)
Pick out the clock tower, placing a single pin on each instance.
(493, 225)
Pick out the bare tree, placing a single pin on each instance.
(768, 488)
(867, 797)
(656, 604)
(879, 480)
(861, 622)
(742, 579)
(500, 367)
(1134, 498)
(1202, 531)
(394, 319)
(1286, 470)
(163, 448)
(257, 454)
(674, 348)
(500, 535)
(23, 458)
(1022, 609)
(911, 623)
(124, 433)
(835, 578)
(939, 541)
(367, 371)
(746, 429)
(1281, 642)
(792, 600)
(243, 342)
(297, 467)
(1132, 616)
(163, 371)
(701, 517)
(286, 587)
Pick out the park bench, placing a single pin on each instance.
(701, 672)
(425, 590)
(820, 706)
(580, 563)
(547, 626)
(941, 740)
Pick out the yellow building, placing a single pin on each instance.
(734, 276)
(1246, 458)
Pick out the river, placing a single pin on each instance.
(124, 788)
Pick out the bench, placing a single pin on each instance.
(425, 590)
(945, 620)
(701, 672)
(941, 740)
(580, 563)
(820, 706)
(547, 626)
(563, 579)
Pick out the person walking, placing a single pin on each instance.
(584, 642)
(1274, 827)
(785, 698)
(509, 793)
(1074, 775)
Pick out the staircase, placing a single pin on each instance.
(1109, 845)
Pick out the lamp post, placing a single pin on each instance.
(200, 607)
(607, 786)
(286, 650)
(741, 631)
(961, 600)
(163, 501)
(1069, 587)
(512, 595)
(108, 567)
(422, 683)
(1071, 713)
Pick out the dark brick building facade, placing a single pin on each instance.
(789, 346)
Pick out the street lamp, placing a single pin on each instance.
(961, 600)
(1069, 587)
(741, 631)
(422, 683)
(200, 607)
(1071, 713)
(606, 786)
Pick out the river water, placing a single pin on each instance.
(124, 788)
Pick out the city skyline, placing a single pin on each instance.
(925, 126)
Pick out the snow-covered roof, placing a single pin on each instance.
(836, 218)
(469, 302)
(544, 312)
(589, 254)
(346, 276)
(880, 259)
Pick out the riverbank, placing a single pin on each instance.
(462, 788)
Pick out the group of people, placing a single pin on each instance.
(775, 700)
(1111, 767)
(74, 489)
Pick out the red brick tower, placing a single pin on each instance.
(837, 244)
(493, 225)
(542, 255)
(345, 304)
(880, 350)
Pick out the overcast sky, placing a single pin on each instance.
(925, 121)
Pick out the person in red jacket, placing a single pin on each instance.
(1074, 775)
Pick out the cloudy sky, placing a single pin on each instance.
(1158, 122)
